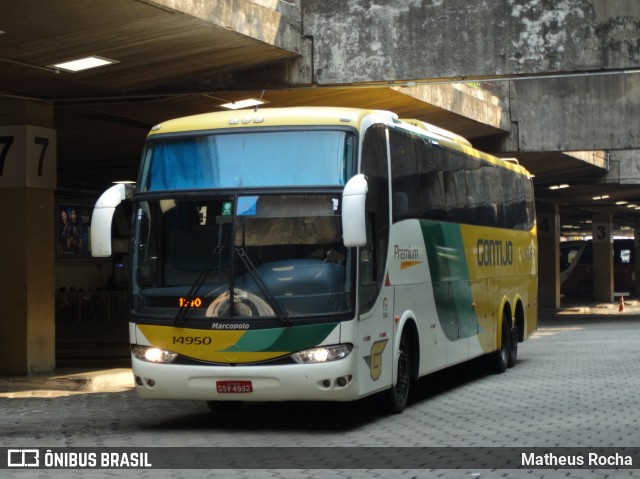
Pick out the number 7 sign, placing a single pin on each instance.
(27, 157)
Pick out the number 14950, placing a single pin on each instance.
(192, 340)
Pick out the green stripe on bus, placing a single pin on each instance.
(290, 339)
(450, 278)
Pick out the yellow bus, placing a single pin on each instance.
(320, 254)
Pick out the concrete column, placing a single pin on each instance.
(548, 220)
(636, 247)
(602, 228)
(27, 238)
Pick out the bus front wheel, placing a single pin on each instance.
(396, 397)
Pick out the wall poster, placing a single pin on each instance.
(72, 231)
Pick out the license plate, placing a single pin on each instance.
(229, 387)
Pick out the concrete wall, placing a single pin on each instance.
(584, 113)
(624, 167)
(465, 100)
(386, 40)
(256, 19)
(273, 22)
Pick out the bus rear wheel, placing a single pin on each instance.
(513, 346)
(397, 397)
(500, 358)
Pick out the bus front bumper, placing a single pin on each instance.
(330, 381)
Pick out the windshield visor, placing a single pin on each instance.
(277, 256)
(249, 160)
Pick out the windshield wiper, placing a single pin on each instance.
(273, 302)
(193, 292)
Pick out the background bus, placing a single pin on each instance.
(576, 268)
(320, 254)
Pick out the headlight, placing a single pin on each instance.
(153, 355)
(323, 354)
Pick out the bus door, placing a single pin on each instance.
(375, 326)
(375, 295)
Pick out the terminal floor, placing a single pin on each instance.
(575, 385)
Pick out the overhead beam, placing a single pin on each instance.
(244, 17)
(262, 20)
(625, 167)
(583, 113)
(468, 101)
(399, 40)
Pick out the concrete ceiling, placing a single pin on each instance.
(170, 64)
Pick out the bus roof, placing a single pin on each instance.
(266, 117)
(436, 130)
(321, 116)
(460, 143)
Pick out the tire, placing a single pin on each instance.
(500, 358)
(513, 346)
(396, 398)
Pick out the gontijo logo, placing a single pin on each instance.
(494, 252)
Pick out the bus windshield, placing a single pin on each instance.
(295, 158)
(270, 256)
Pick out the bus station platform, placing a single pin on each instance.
(572, 309)
(67, 381)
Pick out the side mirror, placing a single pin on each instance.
(354, 197)
(103, 216)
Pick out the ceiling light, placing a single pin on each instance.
(620, 203)
(559, 187)
(603, 197)
(248, 103)
(83, 64)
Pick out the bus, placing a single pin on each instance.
(321, 254)
(576, 267)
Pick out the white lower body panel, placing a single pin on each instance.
(332, 381)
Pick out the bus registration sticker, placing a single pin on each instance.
(224, 387)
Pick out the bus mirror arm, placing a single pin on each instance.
(354, 197)
(103, 216)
